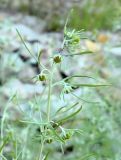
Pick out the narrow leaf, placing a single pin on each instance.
(54, 132)
(70, 116)
(66, 108)
(76, 76)
(90, 85)
(45, 158)
(4, 143)
(25, 45)
(39, 56)
(78, 54)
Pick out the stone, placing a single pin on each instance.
(25, 91)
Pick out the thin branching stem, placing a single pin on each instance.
(2, 125)
(49, 94)
(41, 150)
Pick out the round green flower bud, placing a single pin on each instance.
(57, 59)
(65, 137)
(42, 77)
(76, 40)
(49, 140)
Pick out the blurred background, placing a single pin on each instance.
(41, 23)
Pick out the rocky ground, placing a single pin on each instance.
(17, 67)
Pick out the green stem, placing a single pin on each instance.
(41, 150)
(2, 125)
(48, 106)
(63, 43)
(25, 143)
(3, 157)
(49, 95)
(49, 100)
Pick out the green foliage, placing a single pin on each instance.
(24, 8)
(54, 23)
(42, 125)
(95, 15)
(90, 15)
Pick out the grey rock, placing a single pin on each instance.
(25, 91)
(26, 74)
(26, 32)
(116, 51)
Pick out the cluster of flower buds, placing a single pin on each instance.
(72, 38)
(67, 88)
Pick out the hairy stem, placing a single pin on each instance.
(41, 150)
(2, 125)
(49, 95)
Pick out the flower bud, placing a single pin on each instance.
(49, 140)
(76, 40)
(57, 59)
(66, 136)
(42, 77)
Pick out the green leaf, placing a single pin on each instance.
(39, 56)
(86, 101)
(32, 122)
(78, 54)
(86, 157)
(45, 158)
(61, 121)
(3, 157)
(76, 76)
(56, 134)
(91, 85)
(25, 45)
(66, 108)
(4, 143)
(70, 77)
